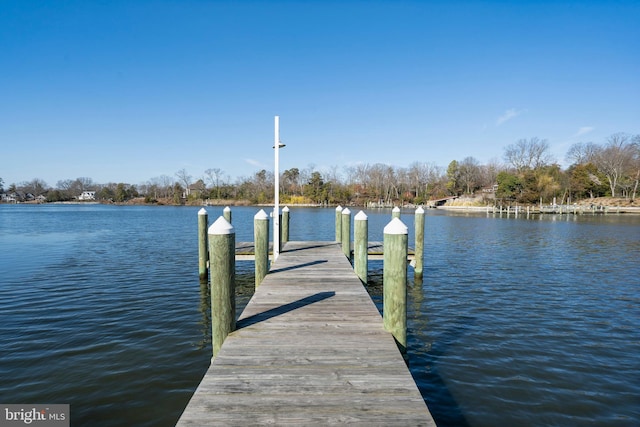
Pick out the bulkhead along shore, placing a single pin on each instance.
(595, 205)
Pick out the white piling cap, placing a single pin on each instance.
(285, 209)
(202, 211)
(261, 215)
(339, 208)
(226, 209)
(419, 210)
(221, 226)
(395, 209)
(396, 226)
(360, 216)
(346, 211)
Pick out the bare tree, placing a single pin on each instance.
(305, 175)
(376, 181)
(85, 183)
(403, 183)
(350, 174)
(469, 174)
(489, 173)
(64, 184)
(582, 152)
(418, 175)
(35, 187)
(184, 178)
(528, 154)
(166, 184)
(214, 178)
(160, 186)
(333, 180)
(615, 159)
(362, 176)
(390, 182)
(332, 174)
(75, 187)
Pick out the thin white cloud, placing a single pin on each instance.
(253, 162)
(582, 131)
(508, 115)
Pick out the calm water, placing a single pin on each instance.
(517, 322)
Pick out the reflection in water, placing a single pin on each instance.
(424, 358)
(423, 354)
(245, 285)
(205, 311)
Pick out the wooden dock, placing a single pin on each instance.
(245, 251)
(309, 349)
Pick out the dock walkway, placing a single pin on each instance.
(245, 251)
(309, 349)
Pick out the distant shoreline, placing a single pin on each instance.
(599, 205)
(523, 210)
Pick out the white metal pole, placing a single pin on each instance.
(276, 207)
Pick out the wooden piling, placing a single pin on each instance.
(419, 245)
(346, 232)
(203, 255)
(285, 225)
(395, 212)
(339, 224)
(394, 281)
(222, 244)
(261, 245)
(360, 246)
(226, 213)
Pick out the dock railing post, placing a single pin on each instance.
(339, 224)
(395, 212)
(222, 261)
(203, 254)
(361, 245)
(419, 247)
(261, 242)
(346, 232)
(285, 225)
(394, 281)
(226, 213)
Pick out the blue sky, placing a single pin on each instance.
(125, 91)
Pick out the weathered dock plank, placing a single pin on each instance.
(309, 349)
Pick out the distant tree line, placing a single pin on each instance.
(527, 174)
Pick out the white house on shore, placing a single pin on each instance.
(8, 198)
(87, 195)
